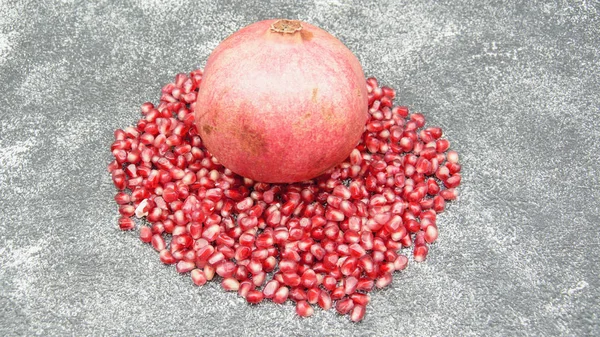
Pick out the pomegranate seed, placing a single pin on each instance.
(291, 279)
(244, 288)
(254, 296)
(166, 257)
(125, 223)
(324, 300)
(387, 267)
(452, 181)
(209, 272)
(216, 258)
(225, 269)
(348, 266)
(449, 194)
(351, 236)
(365, 284)
(312, 295)
(344, 306)
(122, 198)
(350, 285)
(198, 277)
(420, 253)
(241, 272)
(211, 233)
(146, 234)
(264, 240)
(452, 157)
(304, 309)
(260, 254)
(127, 210)
(158, 242)
(308, 279)
(358, 313)
(453, 167)
(185, 266)
(329, 282)
(337, 293)
(441, 145)
(254, 266)
(281, 295)
(259, 278)
(271, 288)
(420, 239)
(401, 262)
(298, 294)
(360, 299)
(288, 266)
(334, 215)
(230, 284)
(384, 280)
(439, 203)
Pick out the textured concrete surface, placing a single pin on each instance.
(514, 84)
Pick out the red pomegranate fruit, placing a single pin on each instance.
(281, 101)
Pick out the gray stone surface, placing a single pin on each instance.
(514, 84)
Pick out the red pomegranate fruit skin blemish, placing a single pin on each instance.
(281, 101)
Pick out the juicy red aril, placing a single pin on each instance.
(230, 284)
(324, 300)
(298, 294)
(166, 257)
(254, 296)
(358, 313)
(127, 210)
(420, 253)
(327, 241)
(198, 277)
(244, 288)
(449, 194)
(304, 309)
(452, 181)
(225, 269)
(146, 234)
(122, 198)
(185, 266)
(281, 295)
(270, 289)
(344, 306)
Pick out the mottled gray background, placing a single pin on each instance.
(514, 84)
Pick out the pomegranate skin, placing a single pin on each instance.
(281, 101)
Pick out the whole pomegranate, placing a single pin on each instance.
(281, 101)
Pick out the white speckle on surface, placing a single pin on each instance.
(159, 6)
(14, 156)
(25, 263)
(9, 16)
(7, 41)
(42, 83)
(581, 285)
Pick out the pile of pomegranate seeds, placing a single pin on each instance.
(325, 242)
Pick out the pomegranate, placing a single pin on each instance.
(281, 101)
